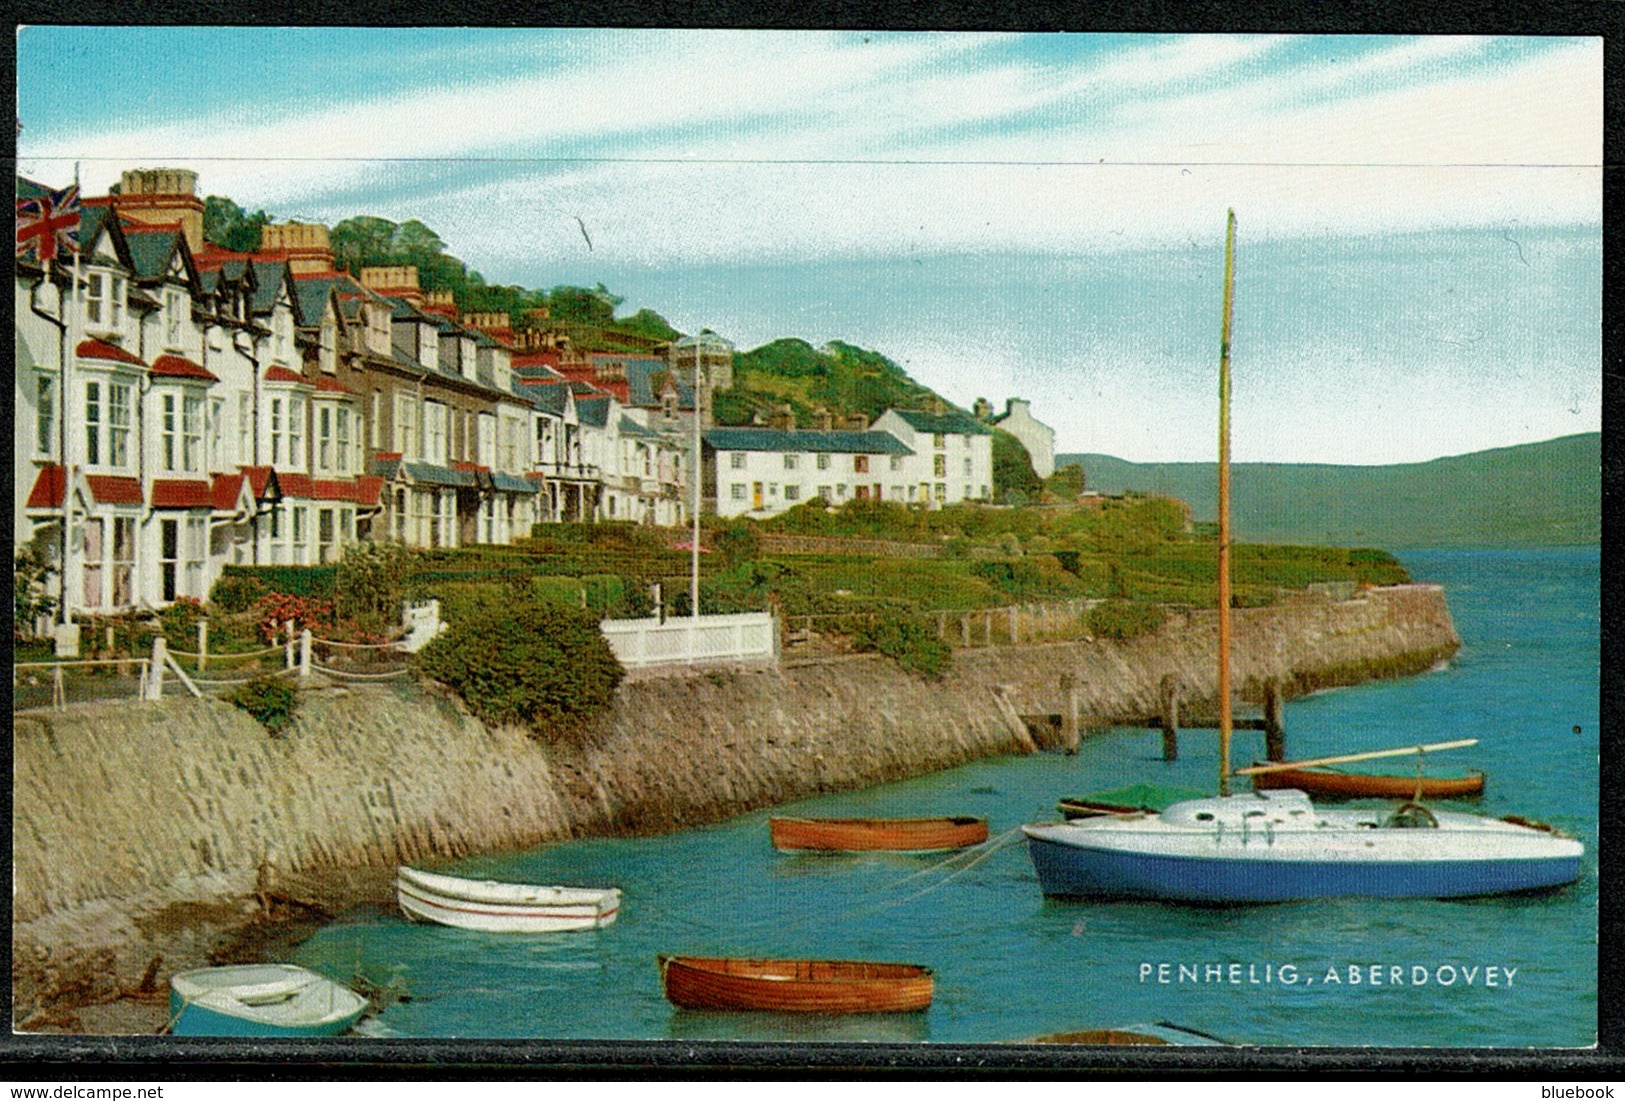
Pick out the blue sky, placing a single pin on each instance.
(1419, 263)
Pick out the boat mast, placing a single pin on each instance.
(1224, 507)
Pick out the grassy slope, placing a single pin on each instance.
(1543, 493)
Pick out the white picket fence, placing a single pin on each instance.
(687, 640)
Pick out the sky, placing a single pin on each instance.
(1419, 244)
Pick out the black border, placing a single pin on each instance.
(71, 1058)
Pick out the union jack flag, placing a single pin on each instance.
(49, 224)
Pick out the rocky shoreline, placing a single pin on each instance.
(177, 834)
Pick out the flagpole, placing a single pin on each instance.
(71, 345)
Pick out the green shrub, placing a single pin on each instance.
(911, 643)
(237, 591)
(179, 621)
(271, 700)
(557, 590)
(1124, 619)
(369, 582)
(30, 574)
(294, 580)
(531, 664)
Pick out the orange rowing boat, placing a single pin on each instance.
(795, 986)
(1331, 784)
(876, 834)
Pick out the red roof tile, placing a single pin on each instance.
(389, 456)
(282, 374)
(471, 466)
(296, 485)
(112, 489)
(100, 349)
(332, 386)
(47, 491)
(136, 225)
(367, 488)
(259, 478)
(182, 493)
(225, 491)
(179, 367)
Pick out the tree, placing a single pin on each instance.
(29, 575)
(1067, 482)
(647, 322)
(226, 224)
(1013, 468)
(580, 306)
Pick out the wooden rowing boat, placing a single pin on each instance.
(876, 834)
(1326, 783)
(487, 906)
(795, 986)
(1134, 799)
(269, 999)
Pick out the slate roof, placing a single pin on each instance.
(268, 284)
(593, 411)
(548, 398)
(508, 483)
(151, 246)
(630, 427)
(952, 423)
(642, 393)
(778, 439)
(431, 474)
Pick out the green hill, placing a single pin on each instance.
(1532, 494)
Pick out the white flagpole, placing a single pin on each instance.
(70, 350)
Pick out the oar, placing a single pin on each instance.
(1348, 758)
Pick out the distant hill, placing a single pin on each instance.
(1541, 493)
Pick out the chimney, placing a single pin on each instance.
(784, 418)
(823, 419)
(855, 422)
(396, 282)
(983, 409)
(441, 302)
(161, 196)
(305, 244)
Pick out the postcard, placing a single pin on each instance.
(806, 541)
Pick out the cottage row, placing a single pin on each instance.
(188, 407)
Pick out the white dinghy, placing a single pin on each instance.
(488, 906)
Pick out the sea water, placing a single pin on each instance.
(1009, 964)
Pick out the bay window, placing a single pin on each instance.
(93, 423)
(45, 430)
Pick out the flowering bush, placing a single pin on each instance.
(274, 610)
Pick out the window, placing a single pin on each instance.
(330, 346)
(123, 573)
(342, 463)
(118, 424)
(434, 432)
(967, 466)
(326, 537)
(939, 465)
(324, 437)
(938, 441)
(792, 492)
(823, 491)
(966, 497)
(174, 304)
(406, 426)
(93, 423)
(840, 491)
(104, 300)
(192, 433)
(860, 464)
(296, 432)
(300, 551)
(376, 427)
(400, 515)
(169, 432)
(276, 431)
(790, 461)
(485, 435)
(823, 462)
(737, 460)
(217, 423)
(169, 554)
(897, 462)
(279, 536)
(942, 492)
(196, 555)
(897, 493)
(45, 421)
(245, 423)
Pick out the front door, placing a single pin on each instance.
(756, 495)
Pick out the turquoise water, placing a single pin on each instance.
(1010, 964)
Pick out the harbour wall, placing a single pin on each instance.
(143, 832)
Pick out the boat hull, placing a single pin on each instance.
(876, 834)
(207, 1003)
(503, 908)
(1073, 871)
(1353, 785)
(795, 986)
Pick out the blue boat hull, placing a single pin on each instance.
(198, 1020)
(1070, 871)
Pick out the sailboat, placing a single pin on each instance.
(1276, 845)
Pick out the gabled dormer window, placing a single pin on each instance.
(330, 345)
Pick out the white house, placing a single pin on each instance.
(762, 471)
(1036, 436)
(950, 456)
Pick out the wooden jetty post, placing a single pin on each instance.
(1170, 718)
(1069, 713)
(1274, 725)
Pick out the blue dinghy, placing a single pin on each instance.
(270, 999)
